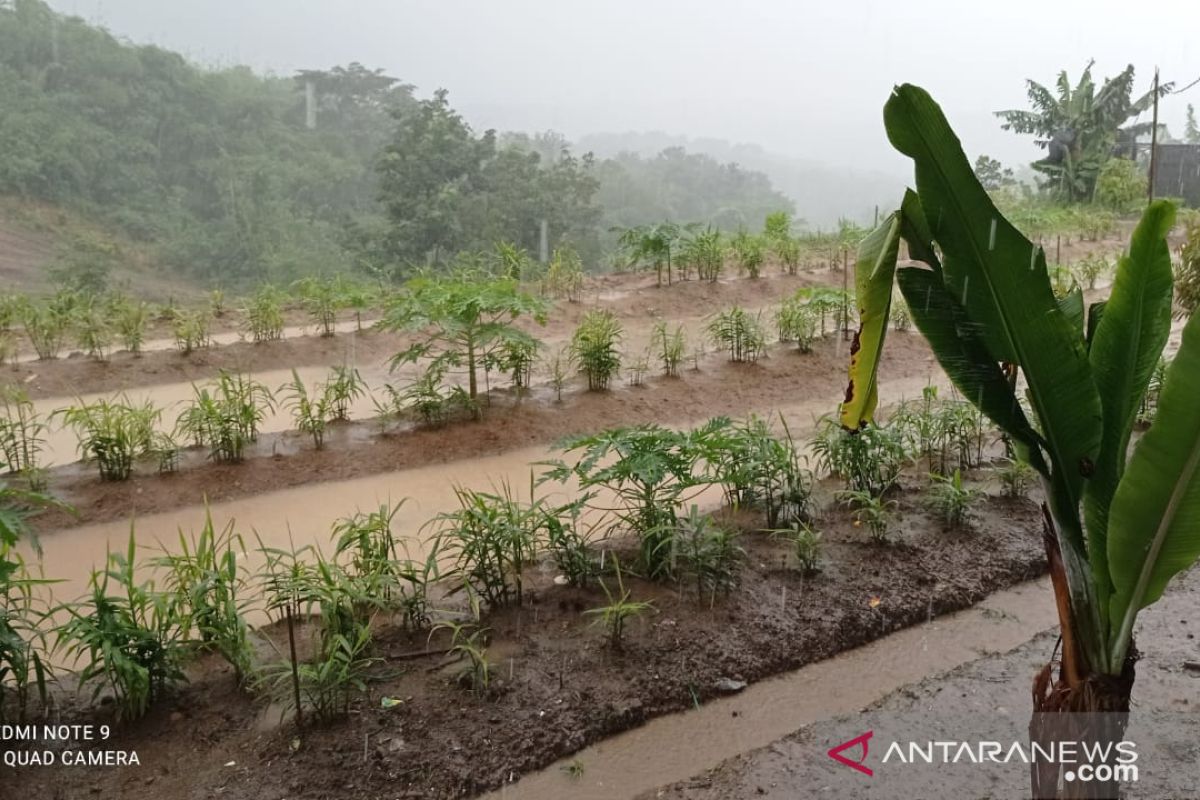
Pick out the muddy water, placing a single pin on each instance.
(676, 747)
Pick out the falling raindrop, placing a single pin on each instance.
(966, 283)
(992, 236)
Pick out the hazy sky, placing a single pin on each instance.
(801, 78)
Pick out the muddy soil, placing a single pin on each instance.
(998, 686)
(557, 686)
(357, 449)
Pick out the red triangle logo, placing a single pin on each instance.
(836, 753)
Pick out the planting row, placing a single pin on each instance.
(146, 614)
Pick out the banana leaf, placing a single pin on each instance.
(1125, 348)
(873, 278)
(1000, 278)
(1154, 520)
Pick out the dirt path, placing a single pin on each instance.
(991, 694)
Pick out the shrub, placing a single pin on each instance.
(594, 348)
(1090, 269)
(113, 433)
(869, 460)
(739, 333)
(516, 357)
(92, 331)
(1187, 272)
(950, 498)
(706, 252)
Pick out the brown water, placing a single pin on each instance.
(679, 746)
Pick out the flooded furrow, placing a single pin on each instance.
(679, 746)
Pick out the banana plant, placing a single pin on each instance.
(1118, 525)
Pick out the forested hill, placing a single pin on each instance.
(218, 171)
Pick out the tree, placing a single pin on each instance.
(433, 163)
(1079, 127)
(992, 174)
(1121, 184)
(1118, 527)
(1191, 131)
(462, 321)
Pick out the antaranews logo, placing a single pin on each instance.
(1082, 761)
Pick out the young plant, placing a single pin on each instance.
(321, 300)
(344, 385)
(225, 416)
(113, 433)
(264, 315)
(489, 541)
(559, 366)
(131, 641)
(1119, 526)
(132, 317)
(325, 685)
(669, 347)
(594, 348)
(310, 410)
(796, 321)
(709, 552)
(1015, 476)
(706, 252)
(564, 275)
(755, 468)
(46, 327)
(950, 499)
(805, 544)
(469, 641)
(868, 459)
(1090, 269)
(749, 252)
(204, 574)
(92, 331)
(619, 610)
(24, 673)
(192, 331)
(461, 321)
(869, 510)
(740, 333)
(648, 469)
(22, 431)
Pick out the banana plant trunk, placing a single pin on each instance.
(1079, 705)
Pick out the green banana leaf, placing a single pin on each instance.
(1154, 520)
(1000, 277)
(873, 277)
(961, 351)
(1125, 348)
(1071, 304)
(914, 229)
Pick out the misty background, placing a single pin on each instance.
(792, 89)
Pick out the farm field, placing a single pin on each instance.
(556, 685)
(562, 424)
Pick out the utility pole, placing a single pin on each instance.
(310, 105)
(1153, 141)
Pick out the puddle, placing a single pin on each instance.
(680, 746)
